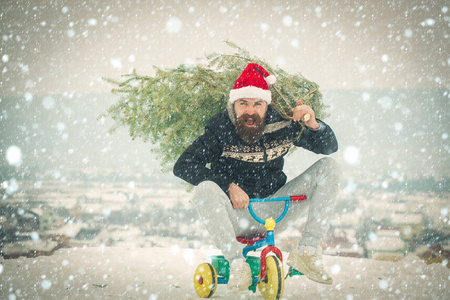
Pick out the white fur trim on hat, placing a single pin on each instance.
(250, 92)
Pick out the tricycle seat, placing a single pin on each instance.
(250, 241)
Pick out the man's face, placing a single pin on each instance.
(251, 118)
(250, 106)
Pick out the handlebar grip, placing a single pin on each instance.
(298, 198)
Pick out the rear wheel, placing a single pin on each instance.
(272, 288)
(205, 280)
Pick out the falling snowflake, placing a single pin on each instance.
(14, 156)
(173, 25)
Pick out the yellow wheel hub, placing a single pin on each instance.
(205, 280)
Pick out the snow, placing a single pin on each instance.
(167, 273)
(386, 244)
(351, 155)
(14, 155)
(173, 25)
(21, 248)
(407, 218)
(287, 21)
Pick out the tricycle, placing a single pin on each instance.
(267, 269)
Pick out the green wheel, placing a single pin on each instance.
(272, 288)
(205, 280)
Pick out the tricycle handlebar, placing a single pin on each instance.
(286, 206)
(290, 198)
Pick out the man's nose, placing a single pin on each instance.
(250, 109)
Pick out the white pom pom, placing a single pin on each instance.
(271, 79)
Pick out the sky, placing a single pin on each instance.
(67, 47)
(383, 67)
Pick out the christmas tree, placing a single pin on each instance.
(171, 108)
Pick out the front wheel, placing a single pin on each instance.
(205, 280)
(272, 288)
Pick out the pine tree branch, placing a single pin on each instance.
(171, 108)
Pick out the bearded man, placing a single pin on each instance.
(241, 156)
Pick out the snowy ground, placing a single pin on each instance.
(166, 273)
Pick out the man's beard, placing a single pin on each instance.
(250, 134)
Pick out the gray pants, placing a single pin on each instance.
(320, 183)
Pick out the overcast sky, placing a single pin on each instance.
(57, 47)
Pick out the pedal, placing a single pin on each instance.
(293, 272)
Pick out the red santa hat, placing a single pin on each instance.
(253, 83)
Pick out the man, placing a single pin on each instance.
(240, 156)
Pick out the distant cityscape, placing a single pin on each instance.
(374, 217)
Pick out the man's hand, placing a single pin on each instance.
(307, 114)
(239, 198)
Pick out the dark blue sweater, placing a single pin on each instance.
(257, 168)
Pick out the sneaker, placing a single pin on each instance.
(240, 276)
(309, 264)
